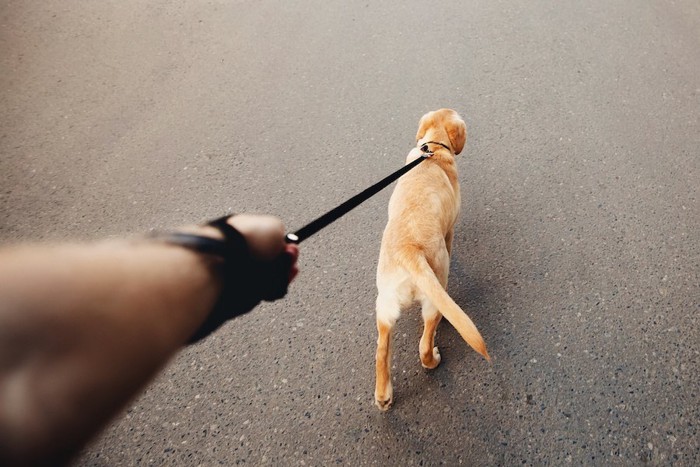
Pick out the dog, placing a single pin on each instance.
(414, 258)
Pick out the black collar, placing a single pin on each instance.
(424, 146)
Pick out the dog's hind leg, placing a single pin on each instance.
(429, 353)
(388, 311)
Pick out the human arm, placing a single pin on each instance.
(84, 327)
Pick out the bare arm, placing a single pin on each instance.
(84, 327)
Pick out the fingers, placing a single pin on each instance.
(293, 251)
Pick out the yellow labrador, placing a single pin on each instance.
(414, 259)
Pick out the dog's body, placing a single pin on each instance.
(414, 259)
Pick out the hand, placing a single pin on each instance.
(263, 274)
(265, 237)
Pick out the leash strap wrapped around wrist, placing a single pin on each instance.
(232, 301)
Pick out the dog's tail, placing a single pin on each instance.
(426, 280)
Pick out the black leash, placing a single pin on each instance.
(338, 212)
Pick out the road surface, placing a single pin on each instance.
(576, 254)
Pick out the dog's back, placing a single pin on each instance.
(425, 204)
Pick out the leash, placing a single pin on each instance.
(338, 212)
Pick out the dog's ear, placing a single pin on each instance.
(457, 132)
(426, 121)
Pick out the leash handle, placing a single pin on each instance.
(338, 212)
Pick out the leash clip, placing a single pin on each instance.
(426, 151)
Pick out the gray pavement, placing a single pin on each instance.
(577, 252)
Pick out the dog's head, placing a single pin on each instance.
(443, 126)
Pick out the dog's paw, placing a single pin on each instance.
(432, 361)
(384, 401)
(384, 405)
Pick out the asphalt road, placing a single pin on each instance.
(576, 254)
